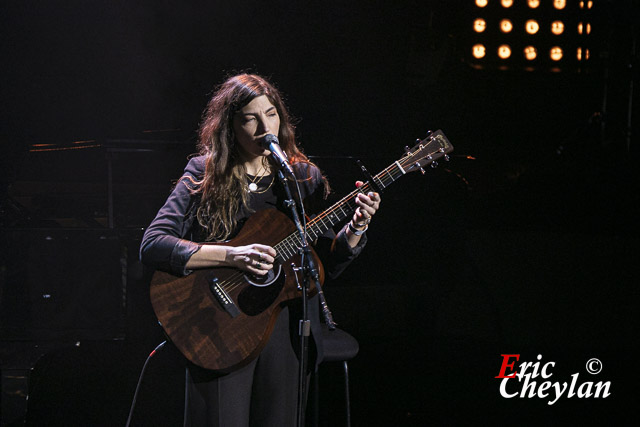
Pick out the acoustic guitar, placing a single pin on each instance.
(221, 318)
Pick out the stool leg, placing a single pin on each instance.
(185, 414)
(316, 399)
(346, 392)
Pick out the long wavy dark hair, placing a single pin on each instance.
(224, 183)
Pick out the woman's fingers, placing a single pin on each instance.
(368, 204)
(257, 259)
(264, 249)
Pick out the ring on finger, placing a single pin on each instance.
(258, 264)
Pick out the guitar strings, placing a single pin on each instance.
(347, 200)
(291, 243)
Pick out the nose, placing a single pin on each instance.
(264, 127)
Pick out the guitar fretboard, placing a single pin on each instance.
(337, 213)
(426, 152)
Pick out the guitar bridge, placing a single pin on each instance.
(223, 298)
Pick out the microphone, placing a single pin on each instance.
(270, 142)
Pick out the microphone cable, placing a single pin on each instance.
(144, 367)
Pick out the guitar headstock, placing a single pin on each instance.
(425, 152)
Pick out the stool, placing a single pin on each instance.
(338, 346)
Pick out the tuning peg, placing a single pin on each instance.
(406, 149)
(446, 157)
(417, 165)
(434, 164)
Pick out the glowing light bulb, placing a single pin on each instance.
(559, 4)
(556, 53)
(504, 51)
(479, 51)
(557, 27)
(506, 26)
(479, 25)
(530, 53)
(532, 26)
(584, 28)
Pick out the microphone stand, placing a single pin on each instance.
(309, 271)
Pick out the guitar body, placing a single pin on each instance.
(221, 318)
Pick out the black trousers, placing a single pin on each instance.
(261, 394)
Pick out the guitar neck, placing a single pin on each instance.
(426, 152)
(345, 208)
(337, 213)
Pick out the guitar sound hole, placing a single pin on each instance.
(255, 299)
(267, 279)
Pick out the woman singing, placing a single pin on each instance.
(231, 179)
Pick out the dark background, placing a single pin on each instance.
(525, 243)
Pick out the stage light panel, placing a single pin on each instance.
(551, 35)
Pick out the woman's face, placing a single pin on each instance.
(255, 120)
